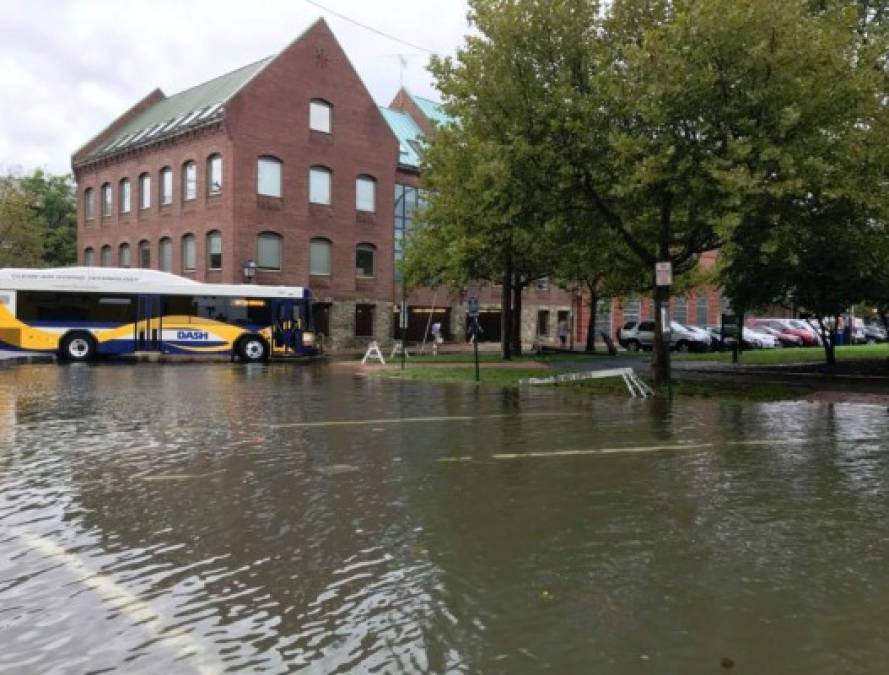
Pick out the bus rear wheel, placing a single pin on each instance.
(252, 349)
(77, 348)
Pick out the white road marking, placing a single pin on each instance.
(125, 602)
(405, 420)
(626, 450)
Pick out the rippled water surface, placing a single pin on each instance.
(215, 517)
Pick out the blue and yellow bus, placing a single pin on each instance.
(79, 313)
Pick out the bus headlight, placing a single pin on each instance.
(308, 339)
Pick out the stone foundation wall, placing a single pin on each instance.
(342, 336)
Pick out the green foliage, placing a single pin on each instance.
(38, 221)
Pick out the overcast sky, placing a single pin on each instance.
(67, 69)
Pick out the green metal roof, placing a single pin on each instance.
(409, 136)
(432, 109)
(187, 109)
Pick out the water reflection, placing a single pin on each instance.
(177, 517)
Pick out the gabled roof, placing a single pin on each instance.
(409, 134)
(432, 109)
(188, 109)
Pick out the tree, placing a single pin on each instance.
(38, 222)
(672, 123)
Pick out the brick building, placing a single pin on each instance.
(287, 167)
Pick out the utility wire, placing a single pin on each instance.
(370, 28)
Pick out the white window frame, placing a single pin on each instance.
(189, 183)
(145, 191)
(166, 186)
(270, 237)
(362, 203)
(214, 167)
(189, 252)
(329, 247)
(269, 176)
(125, 195)
(214, 235)
(320, 116)
(320, 185)
(373, 263)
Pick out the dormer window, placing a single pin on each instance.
(319, 115)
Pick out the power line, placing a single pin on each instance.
(370, 28)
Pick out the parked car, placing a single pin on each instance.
(717, 341)
(760, 339)
(874, 333)
(785, 339)
(806, 334)
(749, 339)
(636, 335)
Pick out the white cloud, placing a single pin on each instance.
(68, 69)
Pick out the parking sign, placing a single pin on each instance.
(472, 307)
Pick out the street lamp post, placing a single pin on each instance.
(250, 270)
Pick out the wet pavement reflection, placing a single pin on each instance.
(296, 518)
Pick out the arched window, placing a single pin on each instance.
(680, 309)
(124, 195)
(319, 115)
(268, 251)
(214, 250)
(165, 254)
(366, 193)
(145, 191)
(189, 181)
(319, 256)
(214, 174)
(89, 257)
(364, 260)
(166, 185)
(89, 204)
(268, 176)
(106, 200)
(144, 254)
(123, 256)
(319, 185)
(105, 256)
(189, 253)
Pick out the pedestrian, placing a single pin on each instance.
(436, 337)
(563, 332)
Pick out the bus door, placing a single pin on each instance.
(286, 327)
(148, 322)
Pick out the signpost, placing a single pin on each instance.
(402, 324)
(472, 310)
(663, 276)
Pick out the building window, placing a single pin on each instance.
(319, 256)
(189, 181)
(319, 185)
(268, 176)
(365, 193)
(124, 196)
(123, 256)
(701, 310)
(165, 254)
(268, 251)
(214, 174)
(364, 260)
(105, 256)
(106, 200)
(145, 191)
(319, 116)
(542, 284)
(89, 204)
(543, 322)
(166, 185)
(189, 253)
(680, 310)
(144, 254)
(89, 257)
(407, 200)
(214, 251)
(364, 320)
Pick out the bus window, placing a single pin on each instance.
(93, 308)
(237, 311)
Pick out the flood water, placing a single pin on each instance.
(300, 518)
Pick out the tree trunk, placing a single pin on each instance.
(829, 341)
(660, 364)
(885, 319)
(517, 289)
(506, 313)
(591, 325)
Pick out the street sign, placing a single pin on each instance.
(472, 307)
(663, 274)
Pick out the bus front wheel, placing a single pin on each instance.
(77, 348)
(252, 349)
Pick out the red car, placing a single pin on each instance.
(785, 326)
